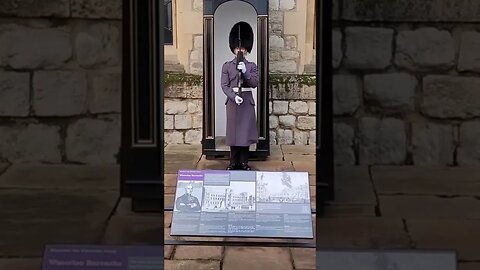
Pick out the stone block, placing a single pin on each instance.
(198, 5)
(276, 42)
(32, 143)
(312, 137)
(469, 149)
(469, 56)
(192, 264)
(273, 137)
(273, 4)
(347, 91)
(337, 53)
(61, 177)
(193, 137)
(273, 121)
(93, 141)
(411, 10)
(434, 180)
(287, 121)
(382, 142)
(280, 107)
(460, 235)
(450, 96)
(253, 258)
(174, 137)
(284, 136)
(287, 4)
(291, 88)
(105, 93)
(14, 93)
(432, 144)
(290, 55)
(312, 108)
(394, 92)
(424, 48)
(298, 107)
(368, 47)
(197, 121)
(194, 106)
(169, 120)
(429, 207)
(175, 107)
(284, 66)
(198, 42)
(197, 252)
(59, 93)
(98, 45)
(368, 233)
(36, 8)
(300, 137)
(344, 142)
(52, 47)
(306, 122)
(96, 9)
(183, 121)
(291, 42)
(303, 258)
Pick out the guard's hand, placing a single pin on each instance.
(238, 100)
(241, 66)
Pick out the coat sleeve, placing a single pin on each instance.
(251, 76)
(225, 83)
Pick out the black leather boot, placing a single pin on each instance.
(244, 166)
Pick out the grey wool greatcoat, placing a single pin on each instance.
(241, 120)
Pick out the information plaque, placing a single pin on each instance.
(87, 257)
(242, 204)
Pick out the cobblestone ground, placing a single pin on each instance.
(375, 207)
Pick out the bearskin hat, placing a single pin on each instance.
(241, 34)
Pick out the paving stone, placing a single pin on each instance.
(407, 206)
(460, 235)
(469, 266)
(168, 251)
(41, 176)
(169, 190)
(299, 149)
(21, 264)
(205, 164)
(173, 149)
(169, 200)
(56, 216)
(180, 161)
(303, 258)
(274, 165)
(3, 168)
(361, 233)
(198, 252)
(276, 153)
(170, 180)
(353, 186)
(167, 219)
(305, 166)
(191, 265)
(426, 181)
(254, 258)
(298, 157)
(348, 211)
(130, 230)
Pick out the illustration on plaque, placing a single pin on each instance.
(282, 187)
(238, 197)
(189, 196)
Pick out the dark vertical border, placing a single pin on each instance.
(324, 105)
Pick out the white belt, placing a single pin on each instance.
(246, 89)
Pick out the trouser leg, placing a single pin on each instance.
(234, 155)
(244, 154)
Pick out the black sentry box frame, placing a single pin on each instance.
(209, 147)
(142, 149)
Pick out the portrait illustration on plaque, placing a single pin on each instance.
(189, 196)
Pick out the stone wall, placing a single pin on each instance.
(60, 81)
(405, 83)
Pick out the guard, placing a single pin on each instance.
(239, 76)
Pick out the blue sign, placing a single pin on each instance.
(90, 257)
